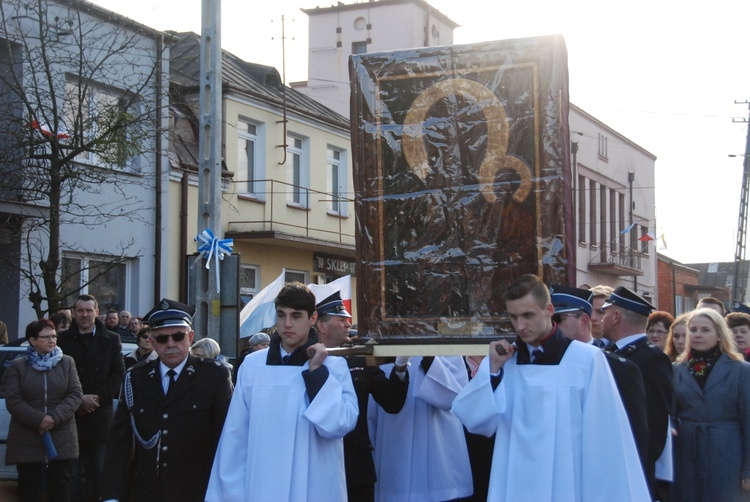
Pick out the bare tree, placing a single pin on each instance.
(78, 124)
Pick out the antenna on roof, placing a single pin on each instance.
(283, 87)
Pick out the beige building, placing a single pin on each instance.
(286, 184)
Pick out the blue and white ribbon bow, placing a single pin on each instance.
(209, 245)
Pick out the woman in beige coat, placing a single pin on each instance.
(43, 393)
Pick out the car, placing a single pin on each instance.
(7, 355)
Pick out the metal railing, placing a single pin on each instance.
(612, 254)
(277, 206)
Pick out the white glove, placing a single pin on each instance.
(402, 360)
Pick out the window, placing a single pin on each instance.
(359, 47)
(643, 243)
(678, 305)
(106, 115)
(297, 170)
(250, 161)
(248, 282)
(602, 147)
(622, 219)
(104, 279)
(581, 208)
(592, 213)
(613, 219)
(689, 304)
(603, 216)
(336, 182)
(295, 276)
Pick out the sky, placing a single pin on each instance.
(665, 74)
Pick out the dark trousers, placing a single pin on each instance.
(31, 475)
(91, 468)
(362, 493)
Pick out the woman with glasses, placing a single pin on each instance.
(43, 394)
(145, 350)
(658, 326)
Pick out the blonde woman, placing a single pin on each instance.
(676, 337)
(712, 413)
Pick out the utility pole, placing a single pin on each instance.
(208, 303)
(740, 267)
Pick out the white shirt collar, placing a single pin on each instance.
(622, 342)
(177, 369)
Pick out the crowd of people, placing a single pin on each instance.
(599, 395)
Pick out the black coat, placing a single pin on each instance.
(100, 368)
(629, 382)
(390, 394)
(190, 421)
(656, 370)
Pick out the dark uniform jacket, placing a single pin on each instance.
(633, 396)
(656, 370)
(189, 420)
(100, 369)
(390, 394)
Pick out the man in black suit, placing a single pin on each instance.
(573, 316)
(172, 412)
(98, 356)
(388, 392)
(624, 324)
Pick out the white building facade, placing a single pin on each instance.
(102, 71)
(342, 30)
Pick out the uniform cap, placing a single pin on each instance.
(168, 313)
(623, 297)
(570, 299)
(333, 305)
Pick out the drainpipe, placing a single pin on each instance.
(158, 218)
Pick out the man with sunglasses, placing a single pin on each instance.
(172, 411)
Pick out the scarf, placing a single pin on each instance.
(700, 363)
(43, 362)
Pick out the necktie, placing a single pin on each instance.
(598, 342)
(535, 354)
(285, 359)
(171, 374)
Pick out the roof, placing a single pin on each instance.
(113, 17)
(249, 79)
(715, 274)
(382, 3)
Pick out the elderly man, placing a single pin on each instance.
(333, 326)
(125, 318)
(170, 417)
(554, 409)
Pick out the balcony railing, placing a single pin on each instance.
(277, 206)
(616, 260)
